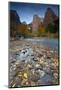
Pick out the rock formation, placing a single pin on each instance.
(50, 17)
(36, 22)
(14, 21)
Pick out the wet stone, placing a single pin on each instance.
(32, 65)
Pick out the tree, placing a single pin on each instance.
(51, 28)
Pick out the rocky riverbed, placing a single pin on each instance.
(32, 64)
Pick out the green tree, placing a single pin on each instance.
(51, 28)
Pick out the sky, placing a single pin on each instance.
(26, 11)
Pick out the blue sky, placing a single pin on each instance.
(27, 10)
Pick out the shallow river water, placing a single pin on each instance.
(49, 42)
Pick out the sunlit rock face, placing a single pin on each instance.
(49, 17)
(36, 22)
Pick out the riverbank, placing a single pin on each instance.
(32, 64)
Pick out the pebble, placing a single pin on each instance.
(33, 65)
(55, 75)
(41, 72)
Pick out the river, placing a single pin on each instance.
(49, 42)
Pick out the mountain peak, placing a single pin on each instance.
(14, 16)
(49, 17)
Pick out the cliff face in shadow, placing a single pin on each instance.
(50, 17)
(14, 21)
(14, 16)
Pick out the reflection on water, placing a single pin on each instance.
(52, 43)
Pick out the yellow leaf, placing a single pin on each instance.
(25, 75)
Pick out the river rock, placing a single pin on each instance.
(41, 72)
(35, 77)
(47, 69)
(55, 75)
(24, 53)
